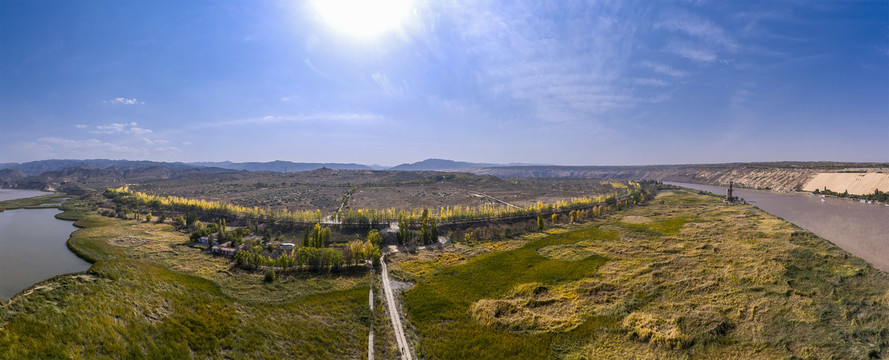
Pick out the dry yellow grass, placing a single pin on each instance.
(693, 278)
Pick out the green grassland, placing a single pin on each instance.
(686, 276)
(32, 202)
(148, 295)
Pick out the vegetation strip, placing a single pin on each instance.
(374, 217)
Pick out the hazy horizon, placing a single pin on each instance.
(610, 83)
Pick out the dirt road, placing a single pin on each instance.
(370, 336)
(394, 314)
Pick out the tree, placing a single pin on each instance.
(161, 219)
(325, 237)
(555, 218)
(373, 236)
(270, 275)
(179, 221)
(347, 255)
(190, 218)
(148, 217)
(539, 221)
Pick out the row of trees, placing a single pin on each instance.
(427, 234)
(876, 196)
(308, 258)
(368, 217)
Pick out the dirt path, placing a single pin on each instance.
(370, 336)
(493, 199)
(394, 314)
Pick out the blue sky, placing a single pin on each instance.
(559, 82)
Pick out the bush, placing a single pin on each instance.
(270, 275)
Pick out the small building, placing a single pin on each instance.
(224, 249)
(204, 240)
(287, 246)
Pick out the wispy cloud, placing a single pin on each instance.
(664, 69)
(692, 52)
(127, 128)
(311, 66)
(650, 82)
(567, 71)
(299, 118)
(699, 28)
(125, 101)
(51, 147)
(386, 86)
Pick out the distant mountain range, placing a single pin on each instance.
(79, 176)
(42, 166)
(280, 166)
(441, 164)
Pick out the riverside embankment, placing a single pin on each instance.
(858, 228)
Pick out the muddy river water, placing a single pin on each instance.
(860, 229)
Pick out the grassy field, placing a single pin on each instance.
(150, 296)
(686, 276)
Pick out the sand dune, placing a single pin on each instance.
(855, 183)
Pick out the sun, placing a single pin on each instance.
(363, 18)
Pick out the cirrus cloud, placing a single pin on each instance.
(125, 101)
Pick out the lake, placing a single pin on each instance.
(32, 248)
(12, 194)
(860, 229)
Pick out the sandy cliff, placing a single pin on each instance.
(855, 183)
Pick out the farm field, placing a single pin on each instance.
(685, 276)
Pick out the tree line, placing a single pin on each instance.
(367, 217)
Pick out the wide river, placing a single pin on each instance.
(32, 248)
(861, 229)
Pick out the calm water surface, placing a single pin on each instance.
(32, 249)
(12, 194)
(860, 229)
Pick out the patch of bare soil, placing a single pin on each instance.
(128, 241)
(634, 219)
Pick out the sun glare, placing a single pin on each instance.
(363, 18)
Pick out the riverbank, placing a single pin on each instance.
(855, 227)
(158, 298)
(684, 276)
(33, 248)
(38, 201)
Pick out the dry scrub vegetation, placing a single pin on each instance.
(684, 277)
(324, 189)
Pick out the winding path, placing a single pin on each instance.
(393, 314)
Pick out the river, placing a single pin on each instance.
(33, 249)
(860, 229)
